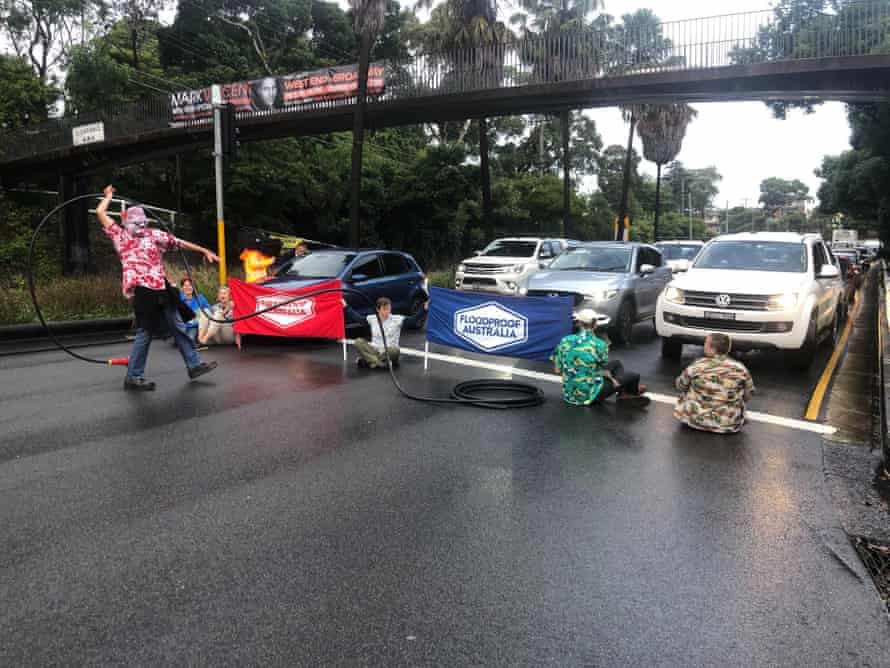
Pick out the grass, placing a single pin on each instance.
(442, 279)
(89, 297)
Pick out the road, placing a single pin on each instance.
(290, 509)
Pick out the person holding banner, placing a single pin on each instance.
(588, 377)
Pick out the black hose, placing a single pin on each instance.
(486, 393)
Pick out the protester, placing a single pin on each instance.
(714, 389)
(373, 354)
(588, 377)
(156, 303)
(195, 301)
(300, 250)
(219, 333)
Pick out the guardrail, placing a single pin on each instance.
(598, 51)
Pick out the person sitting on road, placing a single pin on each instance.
(195, 301)
(588, 377)
(373, 354)
(219, 333)
(714, 389)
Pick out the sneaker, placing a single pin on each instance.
(201, 369)
(633, 400)
(139, 384)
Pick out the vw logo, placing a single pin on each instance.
(722, 300)
(553, 294)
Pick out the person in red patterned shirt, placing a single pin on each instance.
(156, 303)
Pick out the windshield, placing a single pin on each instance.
(319, 265)
(605, 259)
(754, 256)
(679, 252)
(510, 249)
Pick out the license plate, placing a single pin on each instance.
(719, 315)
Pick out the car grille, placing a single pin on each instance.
(472, 280)
(576, 297)
(485, 268)
(719, 325)
(736, 302)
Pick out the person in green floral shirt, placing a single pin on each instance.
(714, 389)
(588, 377)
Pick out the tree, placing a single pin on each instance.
(465, 25)
(777, 193)
(368, 20)
(611, 176)
(642, 45)
(25, 98)
(662, 129)
(695, 187)
(44, 31)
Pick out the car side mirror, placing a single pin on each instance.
(681, 265)
(646, 269)
(358, 278)
(477, 252)
(828, 271)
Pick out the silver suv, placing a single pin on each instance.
(505, 263)
(620, 280)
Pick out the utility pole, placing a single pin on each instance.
(726, 219)
(690, 214)
(216, 98)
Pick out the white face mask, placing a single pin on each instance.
(136, 229)
(136, 223)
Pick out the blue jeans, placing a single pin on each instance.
(139, 354)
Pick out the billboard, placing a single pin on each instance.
(277, 93)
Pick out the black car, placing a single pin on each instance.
(376, 273)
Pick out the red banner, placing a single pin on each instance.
(314, 317)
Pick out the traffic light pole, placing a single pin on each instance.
(218, 168)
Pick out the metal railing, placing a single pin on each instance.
(857, 29)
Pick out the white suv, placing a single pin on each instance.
(768, 290)
(504, 263)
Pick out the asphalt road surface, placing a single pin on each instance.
(290, 509)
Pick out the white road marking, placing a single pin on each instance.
(752, 416)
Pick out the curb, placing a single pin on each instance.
(36, 330)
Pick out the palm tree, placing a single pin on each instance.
(368, 21)
(553, 18)
(642, 45)
(470, 24)
(662, 128)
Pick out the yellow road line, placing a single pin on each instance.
(815, 404)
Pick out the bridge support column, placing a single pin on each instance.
(76, 256)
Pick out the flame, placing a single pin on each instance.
(255, 264)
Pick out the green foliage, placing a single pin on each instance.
(776, 192)
(25, 98)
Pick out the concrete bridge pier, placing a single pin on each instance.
(76, 256)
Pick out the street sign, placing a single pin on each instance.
(88, 134)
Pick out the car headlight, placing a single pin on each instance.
(600, 295)
(783, 302)
(516, 269)
(461, 268)
(522, 291)
(675, 295)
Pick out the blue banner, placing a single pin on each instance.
(527, 327)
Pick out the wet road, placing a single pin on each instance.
(291, 510)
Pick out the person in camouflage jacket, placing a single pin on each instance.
(714, 389)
